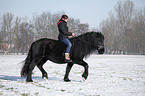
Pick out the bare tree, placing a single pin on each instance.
(73, 25)
(19, 33)
(46, 25)
(26, 36)
(17, 38)
(7, 32)
(83, 28)
(139, 31)
(124, 29)
(0, 31)
(124, 15)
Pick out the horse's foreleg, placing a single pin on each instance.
(40, 66)
(86, 66)
(68, 68)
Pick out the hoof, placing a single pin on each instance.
(83, 79)
(67, 80)
(29, 80)
(45, 78)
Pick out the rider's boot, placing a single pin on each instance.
(67, 58)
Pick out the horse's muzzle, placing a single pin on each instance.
(101, 49)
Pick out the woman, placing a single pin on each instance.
(63, 36)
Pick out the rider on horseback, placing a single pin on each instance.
(63, 36)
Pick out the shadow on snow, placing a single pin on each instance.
(17, 78)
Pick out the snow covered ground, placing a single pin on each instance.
(109, 75)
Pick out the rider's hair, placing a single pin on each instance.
(64, 16)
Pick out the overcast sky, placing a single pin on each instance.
(88, 11)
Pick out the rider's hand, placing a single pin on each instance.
(73, 34)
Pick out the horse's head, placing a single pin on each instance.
(100, 42)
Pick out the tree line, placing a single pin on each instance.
(19, 33)
(124, 29)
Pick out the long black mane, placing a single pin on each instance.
(84, 45)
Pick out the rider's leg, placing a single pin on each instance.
(68, 43)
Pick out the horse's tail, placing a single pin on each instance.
(27, 62)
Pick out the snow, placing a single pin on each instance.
(109, 75)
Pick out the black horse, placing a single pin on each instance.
(47, 49)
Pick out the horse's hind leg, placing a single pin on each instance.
(40, 66)
(31, 67)
(68, 68)
(34, 62)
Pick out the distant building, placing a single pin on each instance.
(4, 47)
